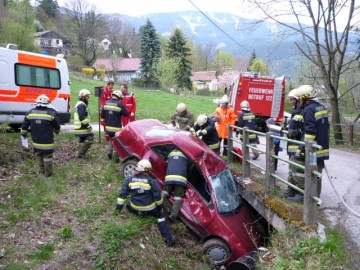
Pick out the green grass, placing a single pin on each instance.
(155, 104)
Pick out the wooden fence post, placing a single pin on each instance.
(269, 166)
(246, 153)
(310, 191)
(351, 134)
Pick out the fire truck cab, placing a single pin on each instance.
(265, 94)
(24, 76)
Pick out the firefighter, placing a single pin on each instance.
(145, 197)
(246, 118)
(130, 104)
(182, 118)
(112, 113)
(224, 115)
(294, 128)
(205, 129)
(316, 127)
(176, 180)
(82, 127)
(43, 122)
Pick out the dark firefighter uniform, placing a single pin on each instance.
(247, 119)
(112, 113)
(208, 134)
(145, 198)
(82, 127)
(176, 180)
(316, 127)
(43, 122)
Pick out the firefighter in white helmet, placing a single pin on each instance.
(246, 118)
(145, 197)
(112, 113)
(205, 129)
(182, 118)
(316, 127)
(43, 122)
(82, 126)
(224, 115)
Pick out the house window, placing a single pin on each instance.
(57, 42)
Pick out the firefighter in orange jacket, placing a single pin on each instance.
(130, 104)
(223, 116)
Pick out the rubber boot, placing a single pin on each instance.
(48, 167)
(165, 232)
(165, 195)
(175, 209)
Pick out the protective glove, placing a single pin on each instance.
(89, 128)
(294, 133)
(192, 131)
(199, 133)
(119, 207)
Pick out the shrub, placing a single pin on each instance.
(88, 71)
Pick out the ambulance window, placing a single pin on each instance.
(37, 76)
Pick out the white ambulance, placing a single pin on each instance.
(24, 76)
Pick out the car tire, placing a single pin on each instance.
(128, 167)
(217, 251)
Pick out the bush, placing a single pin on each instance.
(137, 82)
(89, 72)
(203, 92)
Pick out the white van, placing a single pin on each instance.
(24, 76)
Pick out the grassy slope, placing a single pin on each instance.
(67, 221)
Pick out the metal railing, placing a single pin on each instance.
(311, 201)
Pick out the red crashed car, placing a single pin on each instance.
(211, 207)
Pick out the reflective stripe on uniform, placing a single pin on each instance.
(47, 146)
(143, 208)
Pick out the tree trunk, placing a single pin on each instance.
(335, 120)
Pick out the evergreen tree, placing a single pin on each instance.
(252, 59)
(150, 52)
(50, 7)
(176, 48)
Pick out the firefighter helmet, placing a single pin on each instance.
(224, 99)
(244, 105)
(143, 165)
(181, 107)
(42, 100)
(292, 94)
(202, 119)
(84, 93)
(118, 94)
(306, 92)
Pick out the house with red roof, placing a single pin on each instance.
(119, 69)
(204, 79)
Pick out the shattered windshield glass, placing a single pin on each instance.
(227, 198)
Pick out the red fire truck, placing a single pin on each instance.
(265, 94)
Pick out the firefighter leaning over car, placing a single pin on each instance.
(112, 113)
(294, 129)
(205, 128)
(82, 127)
(182, 118)
(145, 197)
(223, 116)
(246, 118)
(175, 180)
(316, 127)
(43, 122)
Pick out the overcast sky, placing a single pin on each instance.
(142, 7)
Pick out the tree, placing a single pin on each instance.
(324, 41)
(50, 7)
(85, 29)
(223, 61)
(150, 52)
(166, 72)
(252, 59)
(176, 48)
(227, 78)
(260, 67)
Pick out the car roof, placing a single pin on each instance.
(149, 132)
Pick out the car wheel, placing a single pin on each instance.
(128, 168)
(217, 251)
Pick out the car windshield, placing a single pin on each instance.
(227, 198)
